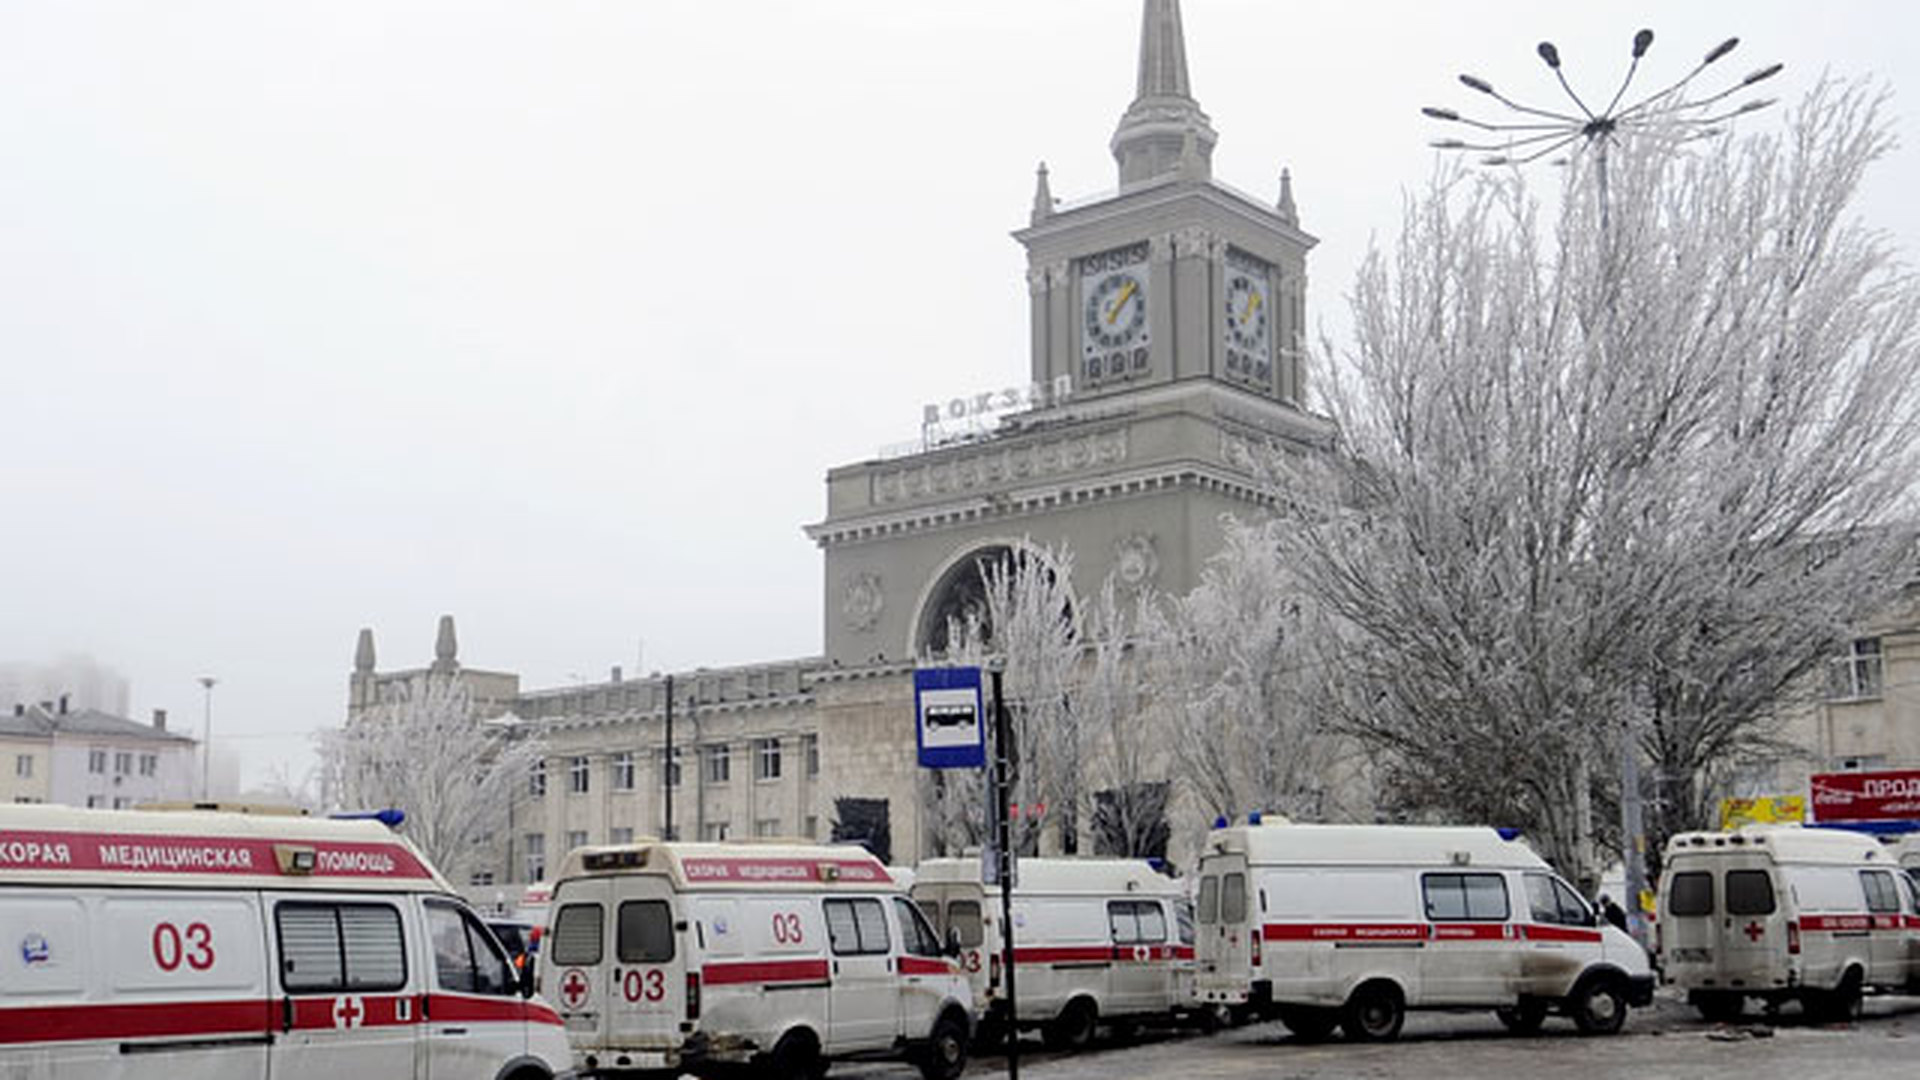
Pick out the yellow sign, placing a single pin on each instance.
(1763, 810)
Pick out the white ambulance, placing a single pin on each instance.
(1095, 940)
(671, 956)
(1352, 925)
(234, 947)
(1778, 912)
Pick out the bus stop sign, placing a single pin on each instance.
(950, 724)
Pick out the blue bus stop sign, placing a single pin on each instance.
(949, 717)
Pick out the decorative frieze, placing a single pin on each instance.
(999, 467)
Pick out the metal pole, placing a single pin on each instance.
(1003, 790)
(666, 769)
(206, 740)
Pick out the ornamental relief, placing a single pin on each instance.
(861, 602)
(1135, 562)
(996, 468)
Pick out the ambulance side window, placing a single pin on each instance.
(1136, 922)
(1882, 894)
(856, 927)
(1209, 900)
(964, 917)
(1750, 892)
(645, 932)
(1468, 897)
(330, 948)
(1553, 902)
(1906, 892)
(577, 933)
(1233, 898)
(466, 959)
(1183, 917)
(916, 937)
(1691, 894)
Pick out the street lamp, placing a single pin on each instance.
(206, 740)
(1673, 117)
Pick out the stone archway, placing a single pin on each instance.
(960, 592)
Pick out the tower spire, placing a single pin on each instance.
(1042, 195)
(1148, 142)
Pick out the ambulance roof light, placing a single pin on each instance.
(391, 817)
(1253, 817)
(1220, 822)
(1508, 832)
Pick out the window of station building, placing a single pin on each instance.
(537, 779)
(94, 801)
(577, 775)
(576, 838)
(716, 831)
(766, 759)
(23, 766)
(813, 827)
(149, 764)
(811, 745)
(623, 771)
(766, 827)
(621, 835)
(536, 856)
(672, 767)
(97, 761)
(719, 758)
(480, 877)
(1858, 674)
(122, 762)
(121, 802)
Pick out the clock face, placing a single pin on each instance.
(1114, 331)
(1246, 320)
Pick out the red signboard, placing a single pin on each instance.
(1890, 795)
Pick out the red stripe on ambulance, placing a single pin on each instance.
(765, 971)
(160, 1020)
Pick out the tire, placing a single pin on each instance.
(1073, 1028)
(1374, 1013)
(1599, 1006)
(1718, 1007)
(1523, 1018)
(1309, 1024)
(945, 1056)
(1840, 1005)
(795, 1057)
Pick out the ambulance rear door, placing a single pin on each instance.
(1228, 924)
(575, 972)
(650, 975)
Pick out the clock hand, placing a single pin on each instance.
(1253, 305)
(1120, 302)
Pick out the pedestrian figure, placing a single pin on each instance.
(1613, 912)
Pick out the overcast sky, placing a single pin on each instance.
(553, 315)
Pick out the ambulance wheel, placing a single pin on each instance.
(1374, 1013)
(1073, 1028)
(1718, 1007)
(795, 1057)
(945, 1056)
(1839, 1005)
(1524, 1018)
(1309, 1024)
(1599, 1005)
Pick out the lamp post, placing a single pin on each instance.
(206, 740)
(1532, 133)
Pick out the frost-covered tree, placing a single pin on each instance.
(1231, 676)
(1592, 481)
(1026, 622)
(1128, 765)
(425, 748)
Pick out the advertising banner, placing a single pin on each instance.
(1763, 810)
(1887, 795)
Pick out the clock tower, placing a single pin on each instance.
(1167, 325)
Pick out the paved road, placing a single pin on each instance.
(1666, 1043)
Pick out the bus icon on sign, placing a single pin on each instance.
(945, 716)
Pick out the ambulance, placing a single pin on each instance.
(1350, 926)
(225, 946)
(666, 957)
(1095, 941)
(1780, 913)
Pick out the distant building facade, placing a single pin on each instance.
(84, 682)
(89, 758)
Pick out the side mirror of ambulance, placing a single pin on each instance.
(526, 981)
(953, 941)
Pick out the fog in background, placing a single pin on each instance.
(553, 315)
